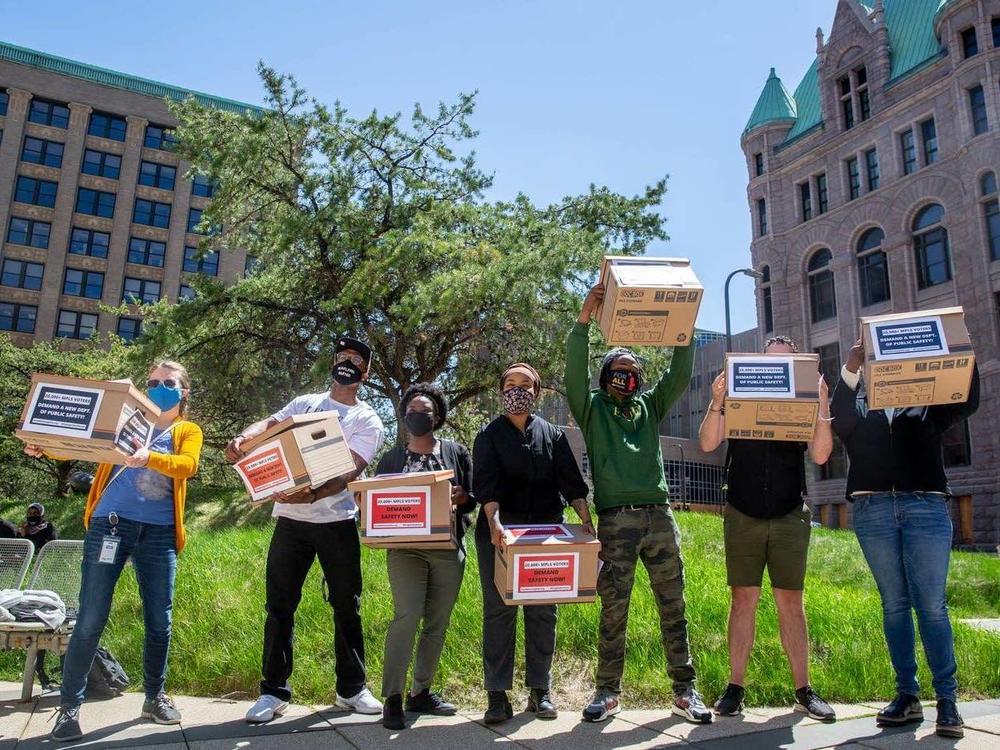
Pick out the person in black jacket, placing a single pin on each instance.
(525, 473)
(899, 489)
(37, 528)
(425, 583)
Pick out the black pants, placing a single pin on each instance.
(294, 546)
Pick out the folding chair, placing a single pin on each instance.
(15, 560)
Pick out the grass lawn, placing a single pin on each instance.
(219, 612)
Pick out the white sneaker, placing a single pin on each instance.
(265, 709)
(364, 702)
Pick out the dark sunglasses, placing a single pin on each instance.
(169, 383)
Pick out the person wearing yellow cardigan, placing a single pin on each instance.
(134, 510)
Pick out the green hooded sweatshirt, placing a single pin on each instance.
(623, 437)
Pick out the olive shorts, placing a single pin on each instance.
(779, 544)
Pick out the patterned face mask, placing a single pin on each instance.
(518, 400)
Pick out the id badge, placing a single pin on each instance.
(109, 549)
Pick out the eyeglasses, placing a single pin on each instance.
(168, 383)
(345, 357)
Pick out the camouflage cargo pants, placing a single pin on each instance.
(646, 533)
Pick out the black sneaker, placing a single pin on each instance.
(499, 709)
(690, 705)
(949, 721)
(540, 704)
(731, 702)
(67, 726)
(426, 702)
(602, 706)
(161, 710)
(807, 702)
(904, 709)
(392, 713)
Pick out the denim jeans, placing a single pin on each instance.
(906, 539)
(154, 557)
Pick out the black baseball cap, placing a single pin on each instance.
(346, 342)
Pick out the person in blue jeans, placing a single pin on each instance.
(135, 510)
(898, 486)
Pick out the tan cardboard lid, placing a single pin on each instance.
(941, 311)
(400, 480)
(545, 535)
(125, 385)
(656, 271)
(288, 423)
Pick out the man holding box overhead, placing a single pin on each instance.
(621, 429)
(319, 522)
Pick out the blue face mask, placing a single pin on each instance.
(165, 398)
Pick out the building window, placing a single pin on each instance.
(4, 98)
(761, 217)
(159, 137)
(873, 269)
(805, 201)
(185, 292)
(45, 112)
(956, 445)
(104, 125)
(160, 176)
(970, 45)
(76, 325)
(853, 178)
(871, 168)
(822, 193)
(129, 329)
(909, 148)
(95, 203)
(765, 291)
(101, 163)
(18, 318)
(977, 103)
(251, 265)
(151, 213)
(140, 291)
(204, 187)
(39, 151)
(80, 283)
(991, 213)
(89, 242)
(930, 244)
(995, 24)
(22, 274)
(194, 218)
(36, 192)
(146, 252)
(928, 131)
(29, 232)
(822, 291)
(846, 102)
(196, 263)
(864, 103)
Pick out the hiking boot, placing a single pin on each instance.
(392, 713)
(949, 721)
(540, 704)
(426, 702)
(904, 709)
(499, 709)
(807, 702)
(265, 709)
(363, 702)
(731, 701)
(690, 705)
(67, 726)
(602, 706)
(161, 710)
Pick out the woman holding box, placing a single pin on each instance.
(424, 582)
(525, 472)
(134, 510)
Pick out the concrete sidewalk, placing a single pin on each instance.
(213, 724)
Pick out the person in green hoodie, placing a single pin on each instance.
(620, 424)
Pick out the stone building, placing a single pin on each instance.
(94, 205)
(873, 189)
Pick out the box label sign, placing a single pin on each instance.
(755, 378)
(63, 410)
(918, 337)
(399, 511)
(136, 427)
(526, 532)
(551, 575)
(266, 471)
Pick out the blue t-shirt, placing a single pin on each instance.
(141, 495)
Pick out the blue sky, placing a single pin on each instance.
(613, 92)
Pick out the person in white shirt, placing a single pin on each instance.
(319, 522)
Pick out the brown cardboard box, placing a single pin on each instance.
(772, 396)
(411, 511)
(305, 450)
(919, 358)
(552, 563)
(86, 420)
(649, 301)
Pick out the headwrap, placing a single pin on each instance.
(609, 359)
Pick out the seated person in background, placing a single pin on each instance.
(7, 530)
(36, 528)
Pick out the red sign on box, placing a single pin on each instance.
(550, 575)
(398, 511)
(265, 471)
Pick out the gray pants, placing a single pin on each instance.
(425, 586)
(500, 628)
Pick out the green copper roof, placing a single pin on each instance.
(35, 59)
(774, 105)
(807, 103)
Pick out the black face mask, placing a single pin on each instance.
(347, 373)
(624, 381)
(34, 520)
(418, 423)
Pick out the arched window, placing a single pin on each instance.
(822, 292)
(930, 245)
(765, 293)
(991, 213)
(873, 269)
(987, 184)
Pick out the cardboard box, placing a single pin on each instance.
(86, 420)
(547, 564)
(772, 396)
(411, 511)
(919, 358)
(649, 301)
(305, 450)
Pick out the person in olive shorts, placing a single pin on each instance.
(767, 525)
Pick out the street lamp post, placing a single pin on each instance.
(729, 330)
(684, 502)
